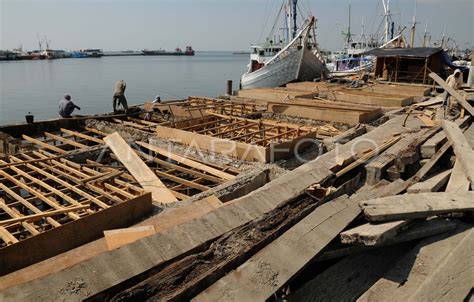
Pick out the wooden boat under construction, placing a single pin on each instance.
(243, 199)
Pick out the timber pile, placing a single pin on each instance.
(371, 218)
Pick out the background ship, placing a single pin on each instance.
(177, 52)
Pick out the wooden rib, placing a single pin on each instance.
(66, 141)
(27, 204)
(274, 137)
(82, 135)
(221, 126)
(46, 186)
(250, 134)
(92, 187)
(67, 185)
(98, 132)
(44, 145)
(179, 168)
(15, 214)
(173, 178)
(7, 237)
(179, 180)
(135, 188)
(51, 203)
(36, 217)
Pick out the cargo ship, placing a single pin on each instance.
(177, 52)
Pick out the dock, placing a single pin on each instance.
(316, 189)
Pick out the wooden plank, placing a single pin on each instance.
(120, 237)
(437, 269)
(376, 168)
(364, 158)
(373, 234)
(213, 144)
(432, 184)
(422, 205)
(139, 170)
(269, 269)
(462, 149)
(186, 161)
(453, 92)
(458, 181)
(178, 216)
(417, 230)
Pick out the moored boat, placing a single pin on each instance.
(275, 64)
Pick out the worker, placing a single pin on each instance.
(157, 100)
(454, 81)
(66, 107)
(119, 95)
(148, 115)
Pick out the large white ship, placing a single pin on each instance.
(296, 57)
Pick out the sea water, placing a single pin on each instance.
(37, 86)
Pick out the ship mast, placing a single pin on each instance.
(425, 35)
(387, 14)
(413, 29)
(295, 27)
(348, 34)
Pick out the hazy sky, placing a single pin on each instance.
(208, 24)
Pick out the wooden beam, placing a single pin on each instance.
(186, 161)
(462, 149)
(36, 217)
(458, 181)
(453, 92)
(432, 184)
(412, 206)
(373, 234)
(139, 170)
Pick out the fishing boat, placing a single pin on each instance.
(353, 58)
(294, 58)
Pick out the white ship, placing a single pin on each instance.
(296, 57)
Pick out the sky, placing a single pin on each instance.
(210, 24)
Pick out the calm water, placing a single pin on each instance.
(37, 86)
